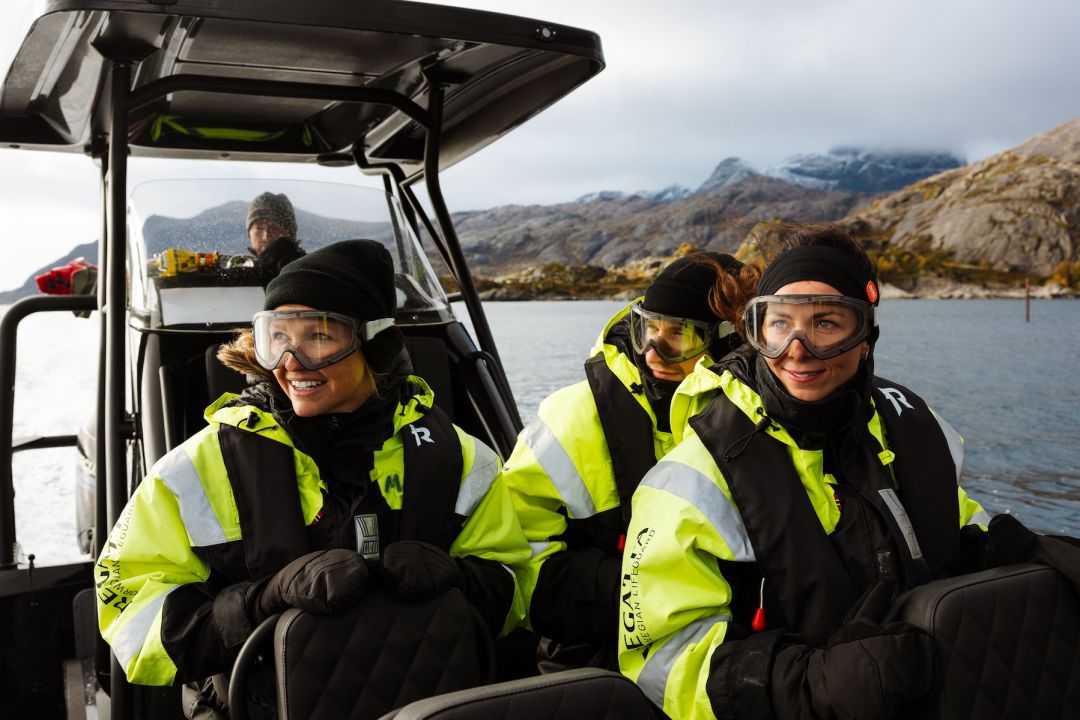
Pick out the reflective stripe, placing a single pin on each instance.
(980, 518)
(179, 475)
(902, 519)
(956, 445)
(485, 469)
(130, 638)
(539, 547)
(706, 496)
(558, 466)
(654, 675)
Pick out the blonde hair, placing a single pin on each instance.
(240, 355)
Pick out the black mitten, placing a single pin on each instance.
(323, 582)
(415, 570)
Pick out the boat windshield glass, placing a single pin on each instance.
(193, 263)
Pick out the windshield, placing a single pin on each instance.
(193, 243)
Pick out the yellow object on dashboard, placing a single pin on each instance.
(174, 260)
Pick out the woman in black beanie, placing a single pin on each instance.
(575, 466)
(768, 546)
(333, 474)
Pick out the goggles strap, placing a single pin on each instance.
(372, 328)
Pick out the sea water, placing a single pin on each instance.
(1005, 384)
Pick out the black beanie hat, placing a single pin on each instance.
(277, 208)
(682, 288)
(351, 277)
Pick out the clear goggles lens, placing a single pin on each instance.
(826, 325)
(315, 338)
(674, 339)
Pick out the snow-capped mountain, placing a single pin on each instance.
(842, 168)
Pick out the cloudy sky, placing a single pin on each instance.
(687, 83)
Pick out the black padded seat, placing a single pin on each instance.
(431, 361)
(383, 654)
(1010, 644)
(585, 694)
(220, 379)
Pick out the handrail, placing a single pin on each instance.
(274, 88)
(9, 328)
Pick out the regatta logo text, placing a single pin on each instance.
(421, 434)
(896, 398)
(635, 634)
(110, 590)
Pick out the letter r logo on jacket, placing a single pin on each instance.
(896, 398)
(421, 434)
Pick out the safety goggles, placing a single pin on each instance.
(826, 325)
(315, 338)
(674, 339)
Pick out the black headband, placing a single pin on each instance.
(824, 264)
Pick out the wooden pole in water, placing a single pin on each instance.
(1027, 299)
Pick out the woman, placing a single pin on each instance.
(333, 467)
(577, 464)
(764, 549)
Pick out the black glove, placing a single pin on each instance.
(323, 582)
(864, 671)
(415, 570)
(278, 254)
(1010, 543)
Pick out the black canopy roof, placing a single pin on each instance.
(287, 80)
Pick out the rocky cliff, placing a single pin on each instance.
(1017, 212)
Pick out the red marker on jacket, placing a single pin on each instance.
(758, 623)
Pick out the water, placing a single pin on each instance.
(1004, 384)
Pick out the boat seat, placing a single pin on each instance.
(382, 654)
(1010, 643)
(219, 378)
(430, 361)
(585, 693)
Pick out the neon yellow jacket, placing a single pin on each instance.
(561, 467)
(677, 601)
(186, 502)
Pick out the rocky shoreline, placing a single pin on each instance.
(592, 283)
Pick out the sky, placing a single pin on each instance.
(687, 84)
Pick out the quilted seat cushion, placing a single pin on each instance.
(1010, 642)
(381, 655)
(569, 695)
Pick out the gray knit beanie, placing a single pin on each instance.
(276, 208)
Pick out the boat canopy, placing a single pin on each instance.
(279, 80)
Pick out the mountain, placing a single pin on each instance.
(1018, 211)
(730, 171)
(668, 194)
(844, 168)
(612, 230)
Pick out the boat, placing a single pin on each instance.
(398, 90)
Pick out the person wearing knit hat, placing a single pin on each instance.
(339, 477)
(270, 217)
(770, 545)
(271, 228)
(575, 466)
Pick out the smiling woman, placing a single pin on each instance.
(804, 459)
(316, 452)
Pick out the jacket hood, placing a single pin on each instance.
(264, 407)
